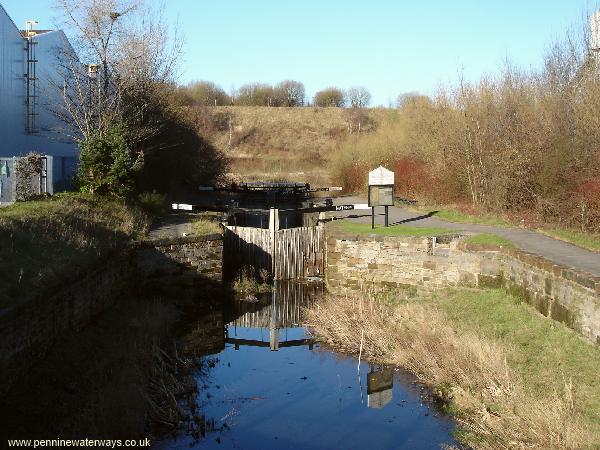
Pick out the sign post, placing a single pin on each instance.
(381, 191)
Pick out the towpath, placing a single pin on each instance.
(552, 249)
(172, 225)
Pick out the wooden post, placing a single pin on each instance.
(273, 331)
(372, 217)
(386, 216)
(273, 228)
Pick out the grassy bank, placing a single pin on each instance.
(455, 215)
(49, 241)
(589, 241)
(273, 144)
(512, 378)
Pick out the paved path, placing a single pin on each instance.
(552, 249)
(172, 225)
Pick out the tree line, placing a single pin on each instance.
(522, 143)
(288, 93)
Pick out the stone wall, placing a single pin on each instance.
(201, 254)
(29, 329)
(432, 263)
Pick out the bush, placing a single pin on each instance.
(152, 203)
(105, 163)
(330, 97)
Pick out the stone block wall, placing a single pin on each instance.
(558, 292)
(202, 254)
(428, 263)
(431, 263)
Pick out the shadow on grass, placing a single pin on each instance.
(415, 219)
(46, 243)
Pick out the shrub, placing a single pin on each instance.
(330, 97)
(105, 163)
(152, 203)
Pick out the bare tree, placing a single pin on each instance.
(255, 94)
(121, 52)
(359, 97)
(290, 93)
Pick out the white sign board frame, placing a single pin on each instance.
(381, 177)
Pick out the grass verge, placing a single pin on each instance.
(585, 240)
(512, 378)
(206, 224)
(489, 239)
(397, 230)
(45, 240)
(455, 215)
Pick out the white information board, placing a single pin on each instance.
(381, 177)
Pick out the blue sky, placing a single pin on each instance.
(388, 46)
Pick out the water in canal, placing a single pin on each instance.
(269, 385)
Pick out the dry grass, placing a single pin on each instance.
(468, 370)
(283, 143)
(205, 224)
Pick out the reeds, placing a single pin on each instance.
(465, 370)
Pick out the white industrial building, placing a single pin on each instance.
(29, 89)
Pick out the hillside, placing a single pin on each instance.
(292, 144)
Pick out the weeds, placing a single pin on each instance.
(152, 204)
(206, 224)
(479, 376)
(248, 286)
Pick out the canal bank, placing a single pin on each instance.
(495, 333)
(431, 263)
(182, 277)
(31, 328)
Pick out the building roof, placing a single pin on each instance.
(36, 32)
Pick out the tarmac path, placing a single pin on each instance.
(555, 250)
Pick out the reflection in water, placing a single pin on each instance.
(380, 383)
(274, 387)
(284, 312)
